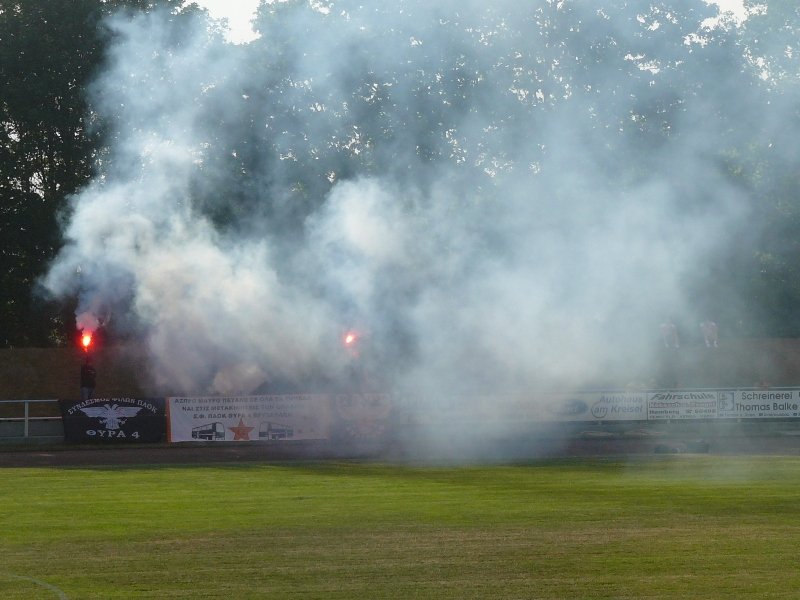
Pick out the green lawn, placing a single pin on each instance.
(657, 527)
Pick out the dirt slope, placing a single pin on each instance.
(40, 373)
(37, 373)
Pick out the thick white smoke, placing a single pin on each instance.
(519, 261)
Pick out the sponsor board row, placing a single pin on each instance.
(668, 405)
(226, 419)
(608, 406)
(366, 416)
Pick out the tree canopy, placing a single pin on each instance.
(50, 147)
(487, 100)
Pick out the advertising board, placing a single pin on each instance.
(681, 405)
(249, 418)
(758, 404)
(122, 420)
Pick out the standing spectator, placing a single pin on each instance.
(88, 379)
(670, 367)
(669, 334)
(710, 333)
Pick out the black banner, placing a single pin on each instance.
(127, 420)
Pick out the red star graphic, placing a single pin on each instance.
(241, 431)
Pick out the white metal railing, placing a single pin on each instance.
(26, 417)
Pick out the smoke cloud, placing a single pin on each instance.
(476, 189)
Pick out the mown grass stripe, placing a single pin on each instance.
(716, 527)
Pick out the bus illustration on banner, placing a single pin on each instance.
(209, 432)
(275, 431)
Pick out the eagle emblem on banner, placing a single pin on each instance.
(112, 416)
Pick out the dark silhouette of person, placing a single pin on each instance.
(669, 335)
(710, 333)
(88, 379)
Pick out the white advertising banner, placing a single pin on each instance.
(758, 404)
(362, 416)
(592, 406)
(619, 406)
(681, 405)
(249, 418)
(471, 409)
(561, 407)
(537, 407)
(532, 408)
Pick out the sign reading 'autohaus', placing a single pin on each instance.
(114, 420)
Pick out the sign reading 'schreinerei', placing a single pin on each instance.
(128, 420)
(758, 404)
(249, 418)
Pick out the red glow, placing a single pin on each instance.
(349, 339)
(86, 340)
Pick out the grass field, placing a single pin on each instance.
(655, 527)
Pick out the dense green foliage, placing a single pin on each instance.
(711, 527)
(638, 68)
(49, 147)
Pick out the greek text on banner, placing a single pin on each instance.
(249, 418)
